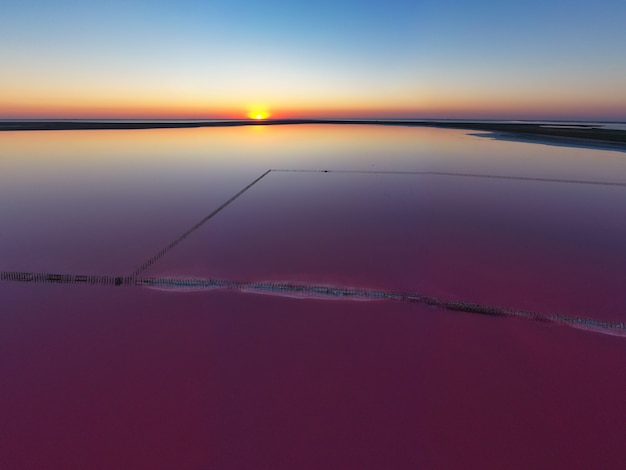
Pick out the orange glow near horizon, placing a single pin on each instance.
(459, 107)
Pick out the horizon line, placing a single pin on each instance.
(315, 118)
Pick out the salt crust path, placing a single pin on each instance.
(313, 291)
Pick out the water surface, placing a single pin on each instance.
(196, 378)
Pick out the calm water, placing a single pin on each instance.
(179, 377)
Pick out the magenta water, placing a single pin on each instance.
(117, 351)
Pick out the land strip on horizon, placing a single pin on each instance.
(569, 131)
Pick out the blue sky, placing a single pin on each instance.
(395, 58)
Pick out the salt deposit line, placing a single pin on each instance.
(317, 291)
(335, 292)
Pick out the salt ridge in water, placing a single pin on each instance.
(329, 292)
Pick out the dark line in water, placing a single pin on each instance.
(463, 175)
(319, 291)
(53, 278)
(163, 251)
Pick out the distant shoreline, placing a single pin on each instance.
(571, 131)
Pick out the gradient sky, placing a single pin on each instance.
(539, 59)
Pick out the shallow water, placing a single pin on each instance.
(192, 376)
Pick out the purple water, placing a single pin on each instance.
(131, 376)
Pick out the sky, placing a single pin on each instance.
(484, 59)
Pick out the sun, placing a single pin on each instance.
(258, 114)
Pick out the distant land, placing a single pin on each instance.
(588, 132)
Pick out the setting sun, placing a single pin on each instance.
(258, 114)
